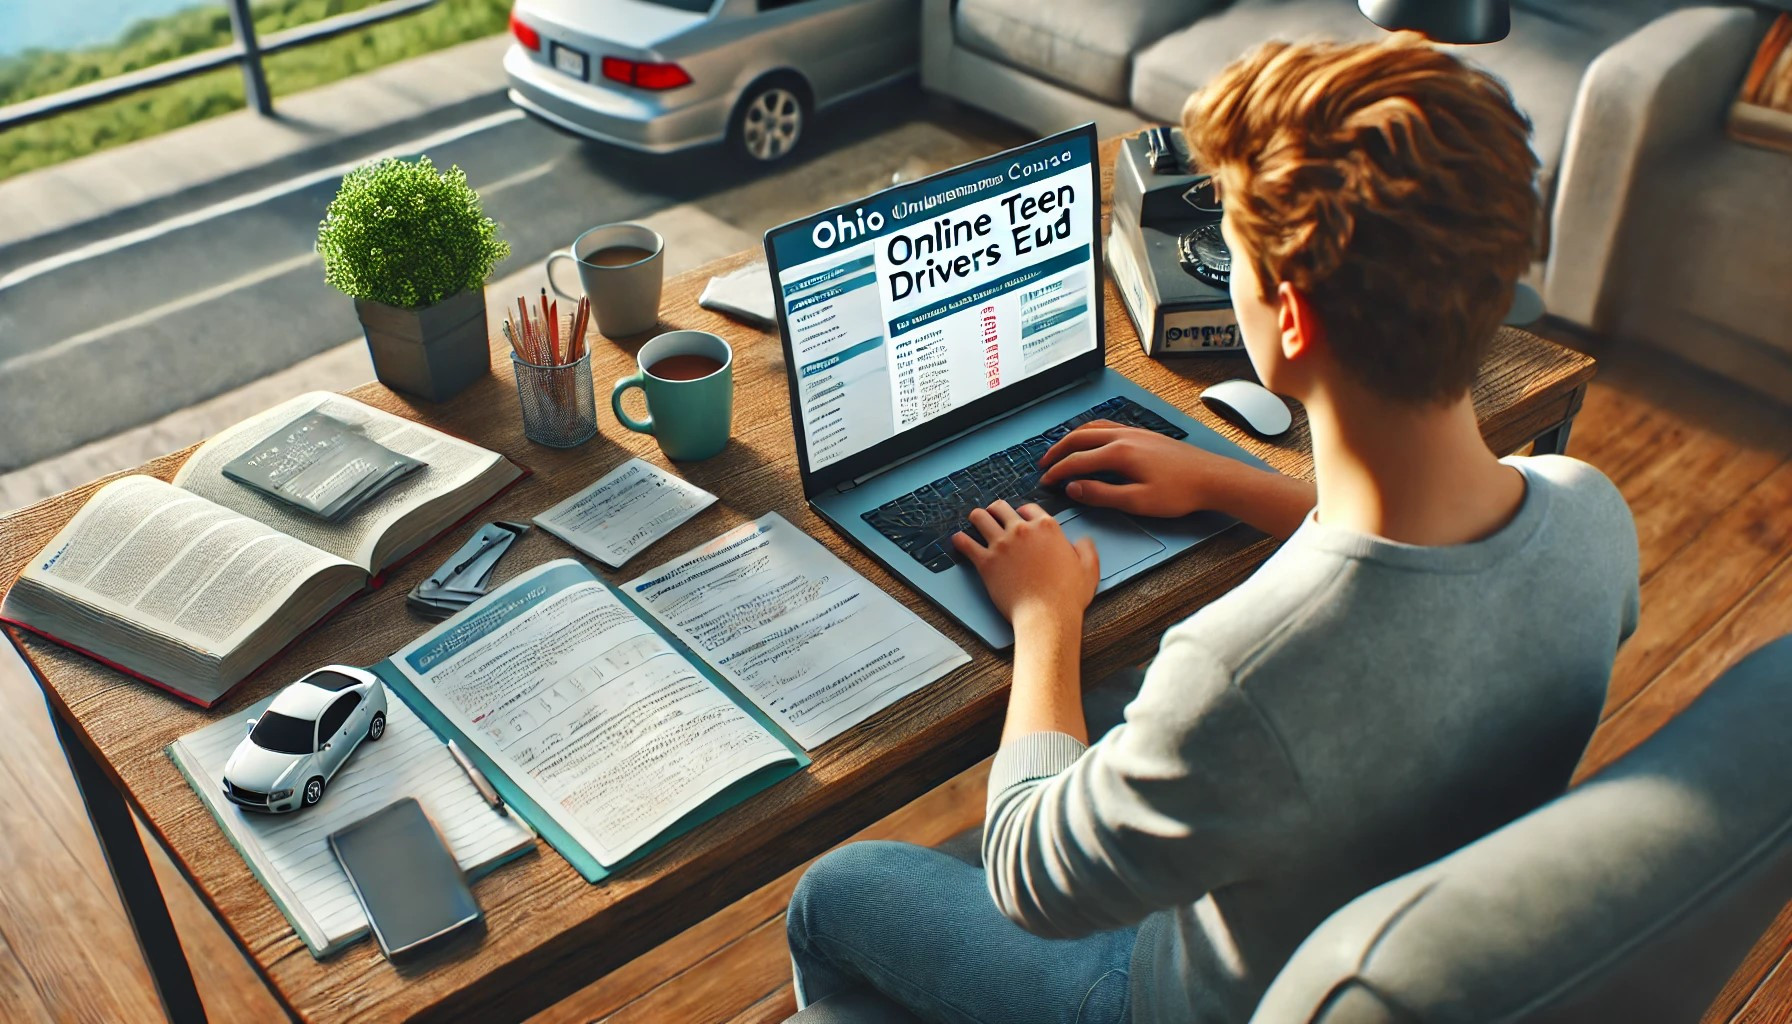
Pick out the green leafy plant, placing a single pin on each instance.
(402, 233)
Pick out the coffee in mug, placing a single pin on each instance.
(621, 268)
(685, 367)
(618, 255)
(687, 378)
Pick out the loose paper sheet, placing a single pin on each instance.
(616, 518)
(813, 643)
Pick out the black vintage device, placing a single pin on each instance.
(1166, 251)
(405, 877)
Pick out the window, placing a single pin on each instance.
(283, 734)
(333, 681)
(336, 715)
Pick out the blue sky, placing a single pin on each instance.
(69, 24)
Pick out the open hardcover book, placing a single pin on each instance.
(193, 585)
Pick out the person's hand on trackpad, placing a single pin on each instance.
(1104, 464)
(1028, 566)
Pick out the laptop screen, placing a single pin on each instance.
(920, 310)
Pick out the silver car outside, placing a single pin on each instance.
(736, 52)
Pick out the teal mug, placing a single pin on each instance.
(687, 378)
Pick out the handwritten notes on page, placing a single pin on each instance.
(616, 518)
(593, 714)
(813, 643)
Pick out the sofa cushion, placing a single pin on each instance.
(1541, 61)
(1083, 46)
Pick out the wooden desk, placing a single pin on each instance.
(550, 933)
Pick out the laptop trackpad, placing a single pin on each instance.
(1118, 540)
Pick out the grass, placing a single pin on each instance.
(152, 111)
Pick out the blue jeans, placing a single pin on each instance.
(919, 926)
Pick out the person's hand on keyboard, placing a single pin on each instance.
(1148, 474)
(1138, 471)
(1029, 567)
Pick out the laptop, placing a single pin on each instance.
(939, 336)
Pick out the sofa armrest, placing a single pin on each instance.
(937, 40)
(1660, 88)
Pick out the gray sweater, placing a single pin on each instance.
(1355, 709)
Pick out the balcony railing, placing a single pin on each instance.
(247, 52)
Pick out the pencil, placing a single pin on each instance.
(584, 323)
(541, 327)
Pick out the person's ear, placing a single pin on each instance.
(1300, 329)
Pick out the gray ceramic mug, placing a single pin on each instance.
(625, 293)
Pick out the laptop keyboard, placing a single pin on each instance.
(923, 521)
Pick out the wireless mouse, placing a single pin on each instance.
(1250, 405)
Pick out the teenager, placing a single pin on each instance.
(1423, 659)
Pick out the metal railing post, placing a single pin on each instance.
(255, 79)
(247, 51)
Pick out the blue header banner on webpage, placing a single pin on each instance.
(925, 200)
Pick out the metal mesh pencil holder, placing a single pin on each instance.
(559, 409)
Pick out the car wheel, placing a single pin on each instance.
(377, 727)
(771, 119)
(314, 791)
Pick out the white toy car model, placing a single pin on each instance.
(304, 736)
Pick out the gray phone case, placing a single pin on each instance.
(406, 878)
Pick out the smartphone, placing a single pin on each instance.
(405, 876)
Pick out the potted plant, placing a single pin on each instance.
(413, 248)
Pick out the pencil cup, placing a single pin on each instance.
(559, 409)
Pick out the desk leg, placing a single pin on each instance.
(1554, 441)
(136, 880)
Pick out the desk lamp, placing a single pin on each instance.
(1443, 21)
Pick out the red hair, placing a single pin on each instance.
(1389, 183)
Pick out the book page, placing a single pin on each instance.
(149, 553)
(593, 714)
(813, 643)
(291, 852)
(452, 464)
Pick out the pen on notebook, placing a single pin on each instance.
(478, 779)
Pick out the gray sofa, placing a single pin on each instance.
(1632, 898)
(1661, 229)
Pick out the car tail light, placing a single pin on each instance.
(645, 74)
(523, 33)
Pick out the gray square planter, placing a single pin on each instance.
(433, 353)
